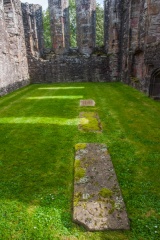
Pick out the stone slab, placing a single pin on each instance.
(98, 202)
(87, 103)
(89, 122)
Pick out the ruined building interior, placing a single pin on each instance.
(131, 51)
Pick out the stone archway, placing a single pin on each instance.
(154, 90)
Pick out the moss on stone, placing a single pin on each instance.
(77, 198)
(77, 163)
(89, 122)
(105, 193)
(79, 173)
(80, 146)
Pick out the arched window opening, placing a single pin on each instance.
(154, 90)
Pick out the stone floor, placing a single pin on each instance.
(87, 103)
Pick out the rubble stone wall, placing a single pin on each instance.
(70, 68)
(137, 38)
(131, 50)
(13, 59)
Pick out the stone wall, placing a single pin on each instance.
(62, 63)
(13, 59)
(131, 45)
(86, 25)
(140, 40)
(70, 68)
(60, 29)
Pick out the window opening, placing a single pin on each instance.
(73, 25)
(99, 23)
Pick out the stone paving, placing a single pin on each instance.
(87, 103)
(98, 203)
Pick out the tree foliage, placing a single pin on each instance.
(73, 41)
(46, 27)
(99, 25)
(73, 25)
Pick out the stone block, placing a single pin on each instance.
(97, 203)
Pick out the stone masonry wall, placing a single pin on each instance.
(140, 40)
(131, 45)
(13, 59)
(70, 68)
(86, 25)
(61, 63)
(60, 29)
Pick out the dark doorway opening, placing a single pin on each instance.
(154, 90)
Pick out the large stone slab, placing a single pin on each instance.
(89, 122)
(98, 202)
(87, 103)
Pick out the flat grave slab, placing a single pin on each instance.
(89, 122)
(98, 202)
(87, 103)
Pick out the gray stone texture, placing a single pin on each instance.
(13, 59)
(67, 68)
(86, 25)
(87, 103)
(60, 28)
(98, 202)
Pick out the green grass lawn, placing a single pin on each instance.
(38, 132)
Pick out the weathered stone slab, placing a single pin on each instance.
(98, 202)
(89, 122)
(87, 103)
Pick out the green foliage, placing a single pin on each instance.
(99, 25)
(72, 15)
(46, 27)
(73, 39)
(38, 135)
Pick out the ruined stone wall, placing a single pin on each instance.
(132, 44)
(70, 68)
(132, 39)
(62, 63)
(112, 35)
(86, 25)
(60, 29)
(139, 42)
(33, 29)
(13, 60)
